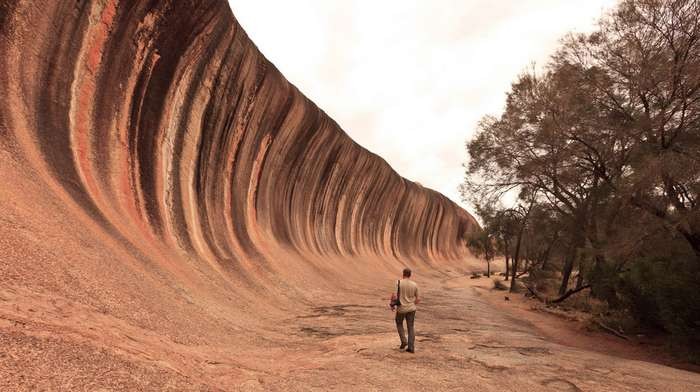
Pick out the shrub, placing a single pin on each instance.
(499, 284)
(666, 293)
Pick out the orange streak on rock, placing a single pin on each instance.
(84, 95)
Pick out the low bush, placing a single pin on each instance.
(666, 293)
(498, 284)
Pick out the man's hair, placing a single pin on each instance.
(407, 272)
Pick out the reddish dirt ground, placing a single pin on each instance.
(575, 329)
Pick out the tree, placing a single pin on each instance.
(643, 67)
(501, 225)
(524, 215)
(481, 244)
(533, 146)
(603, 148)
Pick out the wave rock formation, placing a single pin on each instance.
(162, 120)
(153, 153)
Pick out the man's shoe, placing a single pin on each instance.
(410, 350)
(402, 346)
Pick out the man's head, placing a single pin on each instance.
(406, 272)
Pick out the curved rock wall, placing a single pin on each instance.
(163, 122)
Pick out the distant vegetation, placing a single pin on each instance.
(602, 148)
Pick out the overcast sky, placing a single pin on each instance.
(409, 80)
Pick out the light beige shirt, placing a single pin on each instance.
(408, 294)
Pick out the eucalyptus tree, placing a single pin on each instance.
(643, 68)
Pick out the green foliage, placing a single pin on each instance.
(481, 244)
(606, 283)
(666, 293)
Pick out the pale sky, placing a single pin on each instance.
(409, 80)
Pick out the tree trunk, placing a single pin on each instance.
(569, 293)
(693, 239)
(516, 256)
(518, 244)
(578, 231)
(570, 260)
(568, 266)
(514, 270)
(579, 278)
(507, 261)
(548, 252)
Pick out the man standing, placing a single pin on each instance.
(408, 296)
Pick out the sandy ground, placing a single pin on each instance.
(464, 342)
(576, 329)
